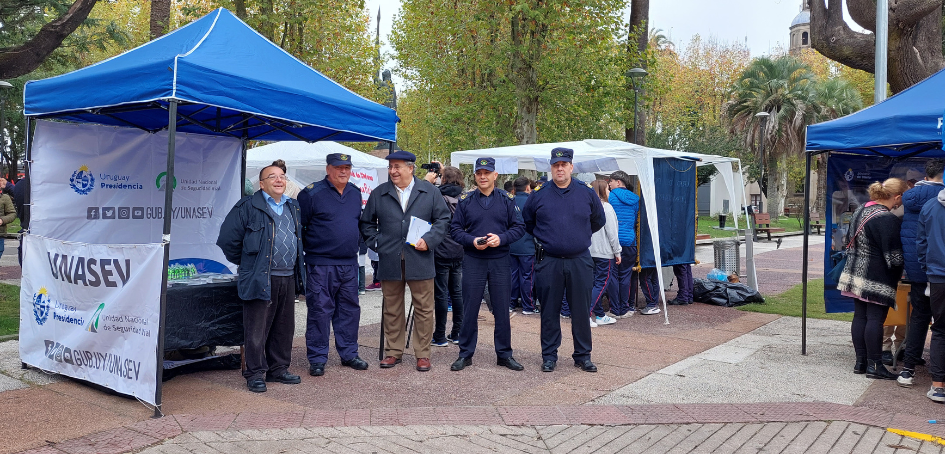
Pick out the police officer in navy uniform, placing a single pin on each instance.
(331, 209)
(485, 223)
(562, 214)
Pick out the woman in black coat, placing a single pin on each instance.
(872, 272)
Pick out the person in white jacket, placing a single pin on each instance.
(605, 250)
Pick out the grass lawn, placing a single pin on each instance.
(709, 225)
(9, 309)
(789, 303)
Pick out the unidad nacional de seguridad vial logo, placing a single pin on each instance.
(82, 181)
(162, 179)
(93, 321)
(41, 306)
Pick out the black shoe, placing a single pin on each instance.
(317, 369)
(461, 363)
(875, 369)
(510, 362)
(286, 378)
(453, 339)
(355, 363)
(256, 385)
(860, 366)
(548, 366)
(676, 302)
(887, 358)
(585, 365)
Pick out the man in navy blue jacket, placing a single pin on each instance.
(331, 209)
(522, 256)
(485, 223)
(562, 215)
(930, 248)
(921, 313)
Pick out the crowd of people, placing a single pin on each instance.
(554, 248)
(885, 248)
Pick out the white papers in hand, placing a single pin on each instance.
(418, 228)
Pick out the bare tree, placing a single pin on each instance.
(23, 59)
(915, 37)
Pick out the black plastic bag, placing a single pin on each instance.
(725, 294)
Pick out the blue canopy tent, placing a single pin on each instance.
(872, 143)
(215, 76)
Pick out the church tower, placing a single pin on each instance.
(800, 29)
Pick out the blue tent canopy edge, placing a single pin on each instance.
(228, 80)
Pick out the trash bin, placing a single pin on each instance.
(726, 256)
(722, 221)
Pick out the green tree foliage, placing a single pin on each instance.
(486, 73)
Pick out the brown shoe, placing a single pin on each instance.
(423, 364)
(389, 362)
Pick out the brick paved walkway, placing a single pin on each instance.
(709, 428)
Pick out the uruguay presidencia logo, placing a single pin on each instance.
(41, 306)
(82, 181)
(848, 175)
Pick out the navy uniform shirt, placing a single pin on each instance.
(563, 219)
(477, 216)
(330, 223)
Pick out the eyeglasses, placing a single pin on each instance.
(398, 167)
(276, 178)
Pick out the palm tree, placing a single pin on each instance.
(836, 98)
(786, 89)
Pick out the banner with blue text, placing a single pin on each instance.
(91, 311)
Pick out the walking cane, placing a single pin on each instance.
(380, 349)
(409, 322)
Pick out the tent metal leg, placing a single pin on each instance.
(166, 239)
(805, 254)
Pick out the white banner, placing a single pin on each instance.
(365, 180)
(101, 184)
(91, 311)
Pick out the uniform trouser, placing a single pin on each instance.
(919, 320)
(523, 267)
(937, 347)
(394, 320)
(627, 281)
(268, 329)
(556, 278)
(684, 281)
(605, 282)
(331, 294)
(447, 288)
(476, 273)
(650, 284)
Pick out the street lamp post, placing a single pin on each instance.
(763, 119)
(633, 75)
(3, 142)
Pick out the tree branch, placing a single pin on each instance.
(909, 12)
(863, 12)
(832, 37)
(23, 59)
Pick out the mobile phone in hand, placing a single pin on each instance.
(481, 241)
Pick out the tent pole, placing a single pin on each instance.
(169, 181)
(243, 144)
(806, 228)
(28, 200)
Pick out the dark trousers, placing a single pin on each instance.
(374, 279)
(331, 294)
(361, 282)
(556, 278)
(919, 319)
(627, 282)
(523, 267)
(447, 288)
(937, 347)
(650, 284)
(684, 281)
(605, 282)
(268, 328)
(476, 273)
(867, 329)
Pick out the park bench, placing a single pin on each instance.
(816, 222)
(763, 224)
(703, 236)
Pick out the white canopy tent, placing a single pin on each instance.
(306, 161)
(606, 156)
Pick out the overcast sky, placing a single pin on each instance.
(762, 24)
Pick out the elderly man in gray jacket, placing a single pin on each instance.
(384, 225)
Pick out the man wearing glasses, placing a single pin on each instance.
(262, 235)
(385, 222)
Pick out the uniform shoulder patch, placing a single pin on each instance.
(538, 188)
(510, 196)
(588, 185)
(465, 195)
(310, 186)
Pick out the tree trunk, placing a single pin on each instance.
(639, 23)
(915, 38)
(527, 42)
(23, 59)
(820, 201)
(160, 17)
(240, 7)
(777, 184)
